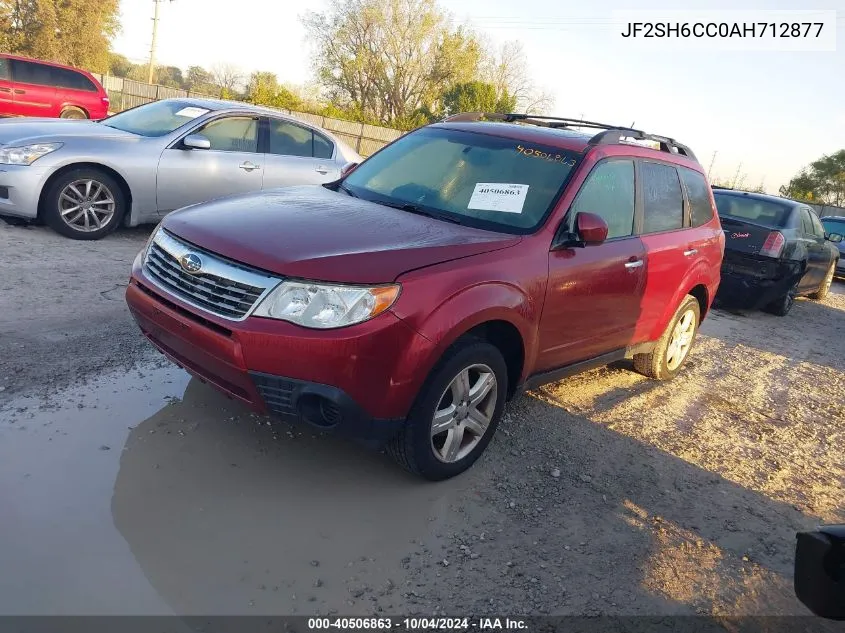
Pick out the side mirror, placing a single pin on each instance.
(833, 237)
(196, 141)
(590, 228)
(348, 168)
(820, 571)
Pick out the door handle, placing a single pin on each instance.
(248, 166)
(690, 252)
(5, 90)
(634, 264)
(18, 91)
(322, 170)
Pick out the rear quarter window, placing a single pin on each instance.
(4, 68)
(72, 80)
(698, 193)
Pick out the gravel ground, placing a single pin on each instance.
(605, 493)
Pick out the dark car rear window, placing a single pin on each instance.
(490, 182)
(747, 209)
(833, 226)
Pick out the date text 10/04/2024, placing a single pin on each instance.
(417, 624)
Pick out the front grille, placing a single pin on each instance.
(221, 287)
(277, 393)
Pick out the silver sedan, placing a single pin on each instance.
(84, 178)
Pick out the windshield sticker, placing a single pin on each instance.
(552, 158)
(497, 196)
(191, 112)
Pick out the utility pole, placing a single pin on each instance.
(153, 45)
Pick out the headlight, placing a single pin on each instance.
(150, 239)
(26, 154)
(323, 306)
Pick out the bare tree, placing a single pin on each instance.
(228, 77)
(507, 69)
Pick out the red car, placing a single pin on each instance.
(463, 263)
(29, 87)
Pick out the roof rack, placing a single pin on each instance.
(611, 134)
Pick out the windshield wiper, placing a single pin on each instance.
(412, 208)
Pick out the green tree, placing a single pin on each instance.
(119, 66)
(388, 60)
(198, 79)
(822, 182)
(75, 32)
(170, 76)
(476, 96)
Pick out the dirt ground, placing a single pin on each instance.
(128, 487)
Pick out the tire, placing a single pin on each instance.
(72, 112)
(782, 305)
(422, 451)
(824, 289)
(72, 187)
(661, 363)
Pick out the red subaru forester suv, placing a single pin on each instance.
(468, 260)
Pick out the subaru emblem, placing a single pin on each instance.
(191, 263)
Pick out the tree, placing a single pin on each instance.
(822, 182)
(170, 76)
(74, 32)
(198, 79)
(119, 66)
(228, 79)
(390, 60)
(507, 70)
(476, 96)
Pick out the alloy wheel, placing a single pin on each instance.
(681, 340)
(463, 413)
(86, 205)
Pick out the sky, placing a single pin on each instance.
(765, 114)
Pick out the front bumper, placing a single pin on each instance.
(20, 189)
(358, 381)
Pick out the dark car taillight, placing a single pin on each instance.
(773, 246)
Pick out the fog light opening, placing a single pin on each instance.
(319, 411)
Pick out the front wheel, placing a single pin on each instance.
(84, 204)
(824, 289)
(670, 352)
(456, 413)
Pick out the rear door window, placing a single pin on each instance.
(698, 194)
(4, 69)
(818, 229)
(32, 73)
(609, 193)
(289, 139)
(232, 134)
(663, 208)
(806, 222)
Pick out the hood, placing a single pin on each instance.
(314, 233)
(19, 131)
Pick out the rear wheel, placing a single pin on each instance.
(72, 112)
(456, 412)
(824, 289)
(782, 305)
(672, 348)
(84, 204)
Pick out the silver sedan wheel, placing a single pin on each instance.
(464, 413)
(86, 205)
(681, 340)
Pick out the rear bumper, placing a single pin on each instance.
(751, 293)
(358, 381)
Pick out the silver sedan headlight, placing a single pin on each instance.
(324, 306)
(26, 154)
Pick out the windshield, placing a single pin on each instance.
(834, 226)
(155, 119)
(747, 209)
(485, 181)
